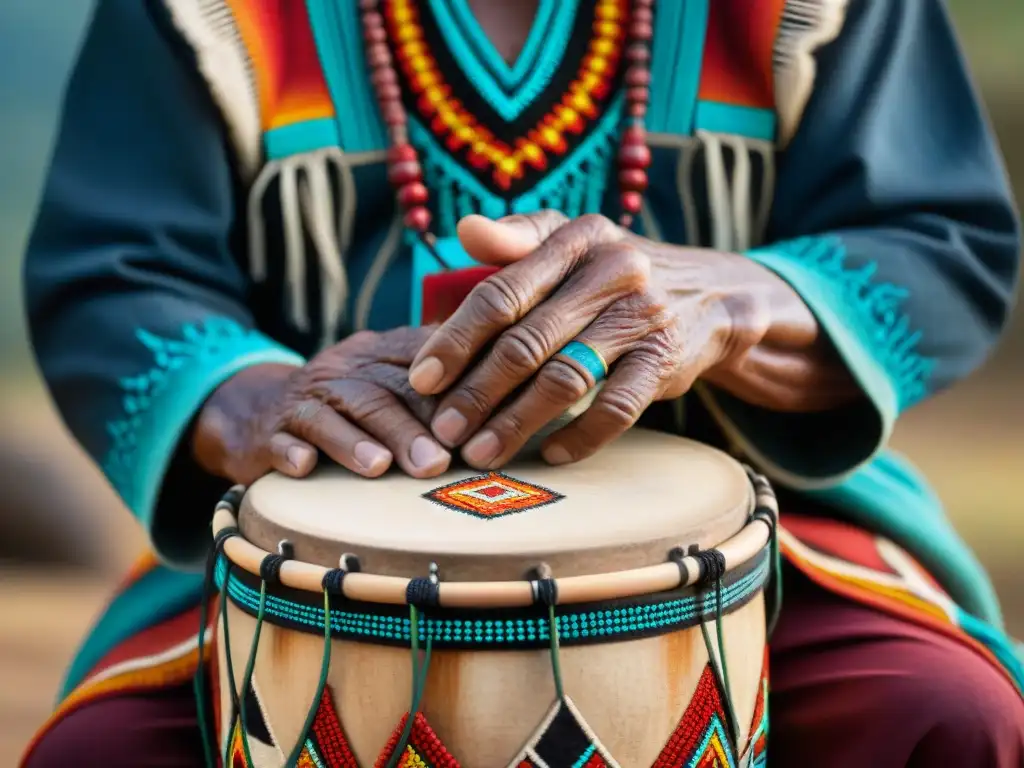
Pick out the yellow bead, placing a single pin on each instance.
(531, 151)
(434, 95)
(409, 32)
(581, 102)
(598, 64)
(414, 48)
(510, 165)
(609, 11)
(420, 63)
(607, 29)
(589, 81)
(465, 133)
(603, 47)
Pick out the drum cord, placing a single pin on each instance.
(546, 592)
(420, 593)
(321, 685)
(199, 680)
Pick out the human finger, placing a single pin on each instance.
(611, 274)
(318, 424)
(503, 299)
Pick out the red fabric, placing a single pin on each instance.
(833, 537)
(850, 687)
(443, 292)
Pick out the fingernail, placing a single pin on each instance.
(298, 456)
(482, 449)
(556, 454)
(449, 426)
(426, 375)
(371, 457)
(426, 454)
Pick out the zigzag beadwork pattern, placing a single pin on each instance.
(498, 158)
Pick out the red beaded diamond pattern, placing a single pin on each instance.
(423, 750)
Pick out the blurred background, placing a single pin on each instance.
(64, 540)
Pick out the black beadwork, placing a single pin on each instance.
(333, 581)
(712, 565)
(222, 536)
(423, 593)
(233, 497)
(270, 566)
(547, 592)
(766, 516)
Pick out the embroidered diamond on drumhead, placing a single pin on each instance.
(492, 495)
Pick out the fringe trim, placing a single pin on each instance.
(739, 219)
(309, 210)
(210, 29)
(805, 27)
(879, 303)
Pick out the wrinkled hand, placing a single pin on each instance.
(659, 315)
(353, 401)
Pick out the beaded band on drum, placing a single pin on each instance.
(690, 588)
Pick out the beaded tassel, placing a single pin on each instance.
(404, 170)
(634, 154)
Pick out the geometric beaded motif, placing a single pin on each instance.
(423, 750)
(505, 155)
(700, 740)
(492, 495)
(326, 746)
(757, 745)
(563, 740)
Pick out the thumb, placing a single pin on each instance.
(509, 239)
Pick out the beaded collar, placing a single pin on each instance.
(506, 155)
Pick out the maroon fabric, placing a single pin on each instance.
(850, 687)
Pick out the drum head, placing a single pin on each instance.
(624, 508)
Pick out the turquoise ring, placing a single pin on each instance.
(585, 358)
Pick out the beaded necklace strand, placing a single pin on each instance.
(405, 172)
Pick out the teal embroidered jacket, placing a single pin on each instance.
(890, 214)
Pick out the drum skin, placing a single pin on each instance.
(624, 508)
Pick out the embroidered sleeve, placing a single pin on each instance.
(137, 308)
(894, 221)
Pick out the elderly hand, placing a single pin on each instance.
(353, 401)
(660, 316)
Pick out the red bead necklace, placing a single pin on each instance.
(404, 170)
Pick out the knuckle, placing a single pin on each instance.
(559, 382)
(522, 349)
(475, 398)
(499, 300)
(632, 267)
(620, 407)
(368, 403)
(360, 340)
(598, 226)
(511, 425)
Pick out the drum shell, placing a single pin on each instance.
(484, 705)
